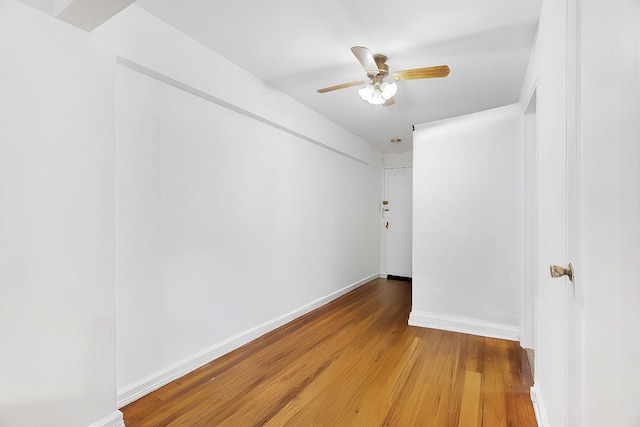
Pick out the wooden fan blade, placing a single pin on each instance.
(422, 73)
(389, 102)
(342, 86)
(365, 58)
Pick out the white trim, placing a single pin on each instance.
(146, 385)
(114, 419)
(538, 408)
(464, 325)
(383, 275)
(397, 167)
(574, 356)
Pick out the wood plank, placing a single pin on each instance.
(494, 410)
(352, 362)
(470, 400)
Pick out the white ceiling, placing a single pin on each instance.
(300, 46)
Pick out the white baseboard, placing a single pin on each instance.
(114, 419)
(464, 325)
(134, 391)
(538, 408)
(383, 275)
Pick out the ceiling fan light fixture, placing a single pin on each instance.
(388, 90)
(378, 93)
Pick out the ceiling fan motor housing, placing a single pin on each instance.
(383, 68)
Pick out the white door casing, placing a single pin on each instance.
(527, 332)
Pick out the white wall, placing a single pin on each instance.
(229, 222)
(468, 223)
(57, 223)
(610, 203)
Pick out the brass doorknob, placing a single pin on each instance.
(557, 271)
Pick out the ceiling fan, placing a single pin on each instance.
(379, 92)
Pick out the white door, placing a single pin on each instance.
(398, 191)
(557, 369)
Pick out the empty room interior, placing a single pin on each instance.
(338, 213)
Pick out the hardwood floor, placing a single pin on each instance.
(353, 362)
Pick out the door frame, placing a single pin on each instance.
(574, 307)
(530, 294)
(575, 357)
